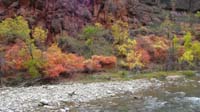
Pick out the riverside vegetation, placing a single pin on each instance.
(30, 53)
(25, 54)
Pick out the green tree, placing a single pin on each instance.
(90, 33)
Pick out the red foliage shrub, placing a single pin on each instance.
(55, 61)
(159, 55)
(58, 62)
(92, 66)
(145, 56)
(97, 63)
(155, 47)
(55, 70)
(105, 61)
(15, 56)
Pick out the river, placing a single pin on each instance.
(173, 96)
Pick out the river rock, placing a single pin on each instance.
(66, 109)
(197, 74)
(193, 100)
(180, 94)
(49, 107)
(44, 102)
(175, 78)
(155, 80)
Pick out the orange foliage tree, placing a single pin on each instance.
(58, 62)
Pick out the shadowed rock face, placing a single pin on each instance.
(57, 15)
(196, 6)
(72, 15)
(186, 5)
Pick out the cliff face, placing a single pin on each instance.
(72, 15)
(185, 5)
(55, 15)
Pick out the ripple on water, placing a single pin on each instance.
(181, 98)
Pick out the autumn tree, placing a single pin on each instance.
(126, 48)
(168, 27)
(26, 54)
(39, 35)
(191, 54)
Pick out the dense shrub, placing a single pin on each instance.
(105, 61)
(22, 54)
(98, 63)
(18, 58)
(10, 29)
(14, 56)
(92, 31)
(93, 38)
(58, 62)
(92, 66)
(39, 34)
(156, 47)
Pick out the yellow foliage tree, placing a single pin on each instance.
(39, 34)
(12, 28)
(126, 47)
(191, 53)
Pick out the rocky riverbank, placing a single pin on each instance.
(49, 98)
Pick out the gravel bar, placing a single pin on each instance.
(29, 99)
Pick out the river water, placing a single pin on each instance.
(174, 96)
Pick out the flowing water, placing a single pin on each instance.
(177, 96)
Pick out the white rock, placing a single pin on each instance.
(180, 94)
(109, 92)
(44, 102)
(66, 109)
(49, 107)
(62, 110)
(197, 74)
(175, 78)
